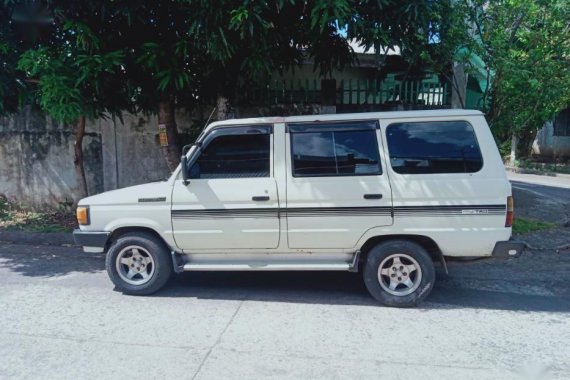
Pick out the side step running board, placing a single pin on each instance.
(268, 267)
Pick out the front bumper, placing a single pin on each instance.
(505, 249)
(96, 240)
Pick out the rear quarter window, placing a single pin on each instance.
(433, 147)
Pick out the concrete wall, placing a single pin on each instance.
(130, 151)
(549, 146)
(36, 153)
(36, 160)
(36, 157)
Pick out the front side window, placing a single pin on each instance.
(335, 150)
(433, 147)
(234, 155)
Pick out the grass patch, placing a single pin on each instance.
(16, 218)
(526, 226)
(545, 167)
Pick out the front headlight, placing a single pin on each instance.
(83, 215)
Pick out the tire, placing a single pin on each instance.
(138, 263)
(397, 283)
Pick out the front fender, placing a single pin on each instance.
(164, 231)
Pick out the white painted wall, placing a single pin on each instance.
(549, 146)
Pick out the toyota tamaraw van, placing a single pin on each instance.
(386, 194)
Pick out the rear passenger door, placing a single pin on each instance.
(336, 183)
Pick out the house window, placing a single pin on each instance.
(433, 147)
(562, 123)
(336, 149)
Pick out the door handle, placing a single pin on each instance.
(261, 198)
(372, 196)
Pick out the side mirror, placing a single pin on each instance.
(184, 168)
(184, 161)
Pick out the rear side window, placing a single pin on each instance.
(336, 149)
(433, 147)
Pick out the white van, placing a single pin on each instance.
(385, 193)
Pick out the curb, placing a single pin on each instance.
(37, 238)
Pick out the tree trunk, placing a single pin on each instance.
(524, 146)
(514, 143)
(78, 157)
(458, 86)
(223, 108)
(168, 132)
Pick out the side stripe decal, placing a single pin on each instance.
(462, 210)
(399, 211)
(226, 213)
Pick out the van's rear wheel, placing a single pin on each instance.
(138, 264)
(399, 273)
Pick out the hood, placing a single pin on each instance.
(148, 192)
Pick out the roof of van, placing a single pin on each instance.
(348, 116)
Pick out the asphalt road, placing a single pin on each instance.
(555, 187)
(60, 318)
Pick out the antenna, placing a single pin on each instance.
(186, 148)
(207, 121)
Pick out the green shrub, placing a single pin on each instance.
(526, 226)
(4, 209)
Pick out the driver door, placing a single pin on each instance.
(231, 200)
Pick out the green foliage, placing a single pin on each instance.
(264, 37)
(15, 217)
(242, 41)
(34, 222)
(526, 226)
(325, 11)
(72, 76)
(526, 44)
(505, 147)
(196, 49)
(57, 93)
(12, 88)
(429, 34)
(167, 64)
(546, 168)
(4, 210)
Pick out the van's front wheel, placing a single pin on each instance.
(399, 273)
(138, 264)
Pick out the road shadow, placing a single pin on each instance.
(493, 285)
(336, 288)
(49, 261)
(342, 288)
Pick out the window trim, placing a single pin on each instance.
(315, 129)
(405, 121)
(314, 126)
(239, 129)
(265, 129)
